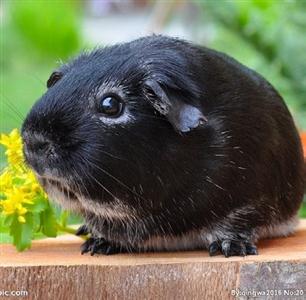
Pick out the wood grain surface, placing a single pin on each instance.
(55, 269)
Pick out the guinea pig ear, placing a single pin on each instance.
(54, 77)
(183, 117)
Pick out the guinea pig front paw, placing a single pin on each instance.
(99, 246)
(232, 248)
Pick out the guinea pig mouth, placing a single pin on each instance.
(48, 183)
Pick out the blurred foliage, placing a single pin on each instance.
(302, 212)
(50, 26)
(266, 35)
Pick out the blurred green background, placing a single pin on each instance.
(37, 36)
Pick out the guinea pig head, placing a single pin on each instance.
(114, 126)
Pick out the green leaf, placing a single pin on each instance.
(302, 212)
(36, 222)
(48, 222)
(22, 232)
(3, 226)
(8, 220)
(39, 205)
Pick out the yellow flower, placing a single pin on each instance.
(13, 144)
(14, 201)
(6, 180)
(18, 184)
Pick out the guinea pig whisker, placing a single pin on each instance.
(13, 113)
(83, 185)
(209, 179)
(103, 151)
(42, 83)
(111, 155)
(13, 107)
(116, 179)
(100, 184)
(80, 179)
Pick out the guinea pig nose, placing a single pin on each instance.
(38, 144)
(38, 151)
(41, 147)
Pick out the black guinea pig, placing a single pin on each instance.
(165, 145)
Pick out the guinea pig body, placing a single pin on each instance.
(164, 145)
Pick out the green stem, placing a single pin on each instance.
(64, 218)
(70, 230)
(66, 228)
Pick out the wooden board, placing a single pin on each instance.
(55, 269)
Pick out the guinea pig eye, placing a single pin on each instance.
(110, 106)
(55, 76)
